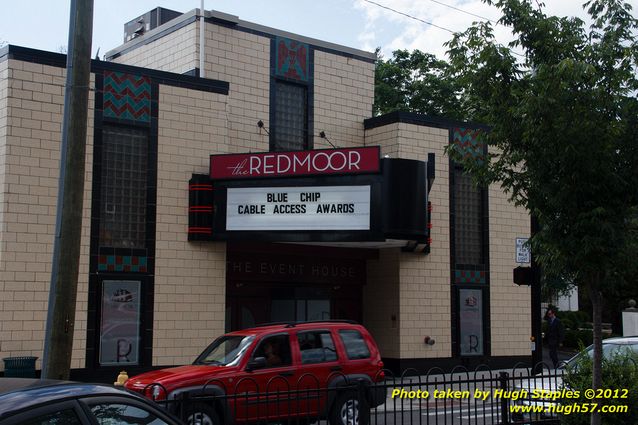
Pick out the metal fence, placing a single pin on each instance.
(481, 396)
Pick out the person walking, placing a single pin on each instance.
(555, 335)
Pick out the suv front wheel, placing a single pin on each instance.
(350, 409)
(201, 414)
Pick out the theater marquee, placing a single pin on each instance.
(328, 196)
(298, 208)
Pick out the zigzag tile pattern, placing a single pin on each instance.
(469, 276)
(127, 96)
(466, 142)
(122, 263)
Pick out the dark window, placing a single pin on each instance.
(291, 117)
(276, 350)
(123, 187)
(316, 347)
(468, 220)
(356, 347)
(63, 417)
(123, 414)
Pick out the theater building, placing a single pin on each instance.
(264, 191)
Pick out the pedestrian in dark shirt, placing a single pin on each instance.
(555, 335)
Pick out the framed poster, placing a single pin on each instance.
(471, 322)
(120, 322)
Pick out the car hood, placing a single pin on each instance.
(552, 382)
(182, 375)
(540, 389)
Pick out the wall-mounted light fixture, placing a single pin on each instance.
(261, 126)
(322, 134)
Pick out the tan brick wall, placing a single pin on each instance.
(509, 303)
(240, 58)
(190, 278)
(423, 280)
(343, 97)
(35, 99)
(4, 109)
(243, 60)
(343, 87)
(175, 52)
(387, 137)
(381, 301)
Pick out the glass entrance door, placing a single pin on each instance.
(249, 305)
(299, 309)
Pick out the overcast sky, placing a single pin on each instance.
(43, 24)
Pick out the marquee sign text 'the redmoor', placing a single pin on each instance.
(295, 163)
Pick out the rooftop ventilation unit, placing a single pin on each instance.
(146, 22)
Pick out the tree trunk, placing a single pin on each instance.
(597, 377)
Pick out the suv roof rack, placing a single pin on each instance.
(293, 323)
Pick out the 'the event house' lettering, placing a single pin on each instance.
(321, 161)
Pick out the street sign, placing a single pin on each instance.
(523, 253)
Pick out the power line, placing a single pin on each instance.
(409, 16)
(464, 11)
(434, 25)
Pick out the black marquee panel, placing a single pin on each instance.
(398, 205)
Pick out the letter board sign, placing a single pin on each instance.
(298, 208)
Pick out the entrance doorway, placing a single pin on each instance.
(249, 305)
(289, 283)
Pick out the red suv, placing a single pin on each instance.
(277, 372)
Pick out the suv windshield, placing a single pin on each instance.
(609, 350)
(225, 351)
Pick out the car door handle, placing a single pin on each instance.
(286, 373)
(336, 368)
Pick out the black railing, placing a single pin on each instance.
(481, 396)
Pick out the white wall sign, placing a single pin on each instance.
(298, 208)
(471, 322)
(523, 253)
(120, 324)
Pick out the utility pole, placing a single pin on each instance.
(537, 355)
(58, 343)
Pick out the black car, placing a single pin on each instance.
(40, 402)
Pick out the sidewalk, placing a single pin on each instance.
(484, 380)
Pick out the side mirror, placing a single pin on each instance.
(256, 363)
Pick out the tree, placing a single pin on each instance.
(563, 139)
(415, 82)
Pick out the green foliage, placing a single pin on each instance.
(564, 137)
(563, 140)
(620, 372)
(574, 319)
(575, 338)
(415, 82)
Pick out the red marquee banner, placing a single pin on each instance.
(295, 163)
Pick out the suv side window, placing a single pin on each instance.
(276, 350)
(316, 347)
(356, 347)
